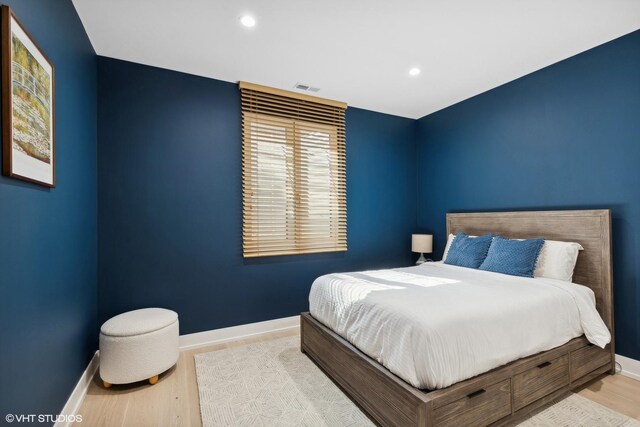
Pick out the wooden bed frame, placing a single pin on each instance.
(508, 393)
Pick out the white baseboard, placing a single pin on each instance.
(630, 367)
(72, 406)
(186, 342)
(216, 336)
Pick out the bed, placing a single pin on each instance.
(468, 380)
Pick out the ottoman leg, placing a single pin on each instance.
(106, 384)
(153, 380)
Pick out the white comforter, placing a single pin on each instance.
(436, 324)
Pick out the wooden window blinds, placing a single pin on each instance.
(293, 173)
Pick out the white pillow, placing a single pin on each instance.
(557, 260)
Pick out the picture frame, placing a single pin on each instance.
(28, 105)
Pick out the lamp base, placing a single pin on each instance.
(422, 259)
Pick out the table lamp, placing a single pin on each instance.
(422, 243)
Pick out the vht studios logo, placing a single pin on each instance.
(42, 418)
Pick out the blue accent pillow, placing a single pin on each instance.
(514, 257)
(468, 251)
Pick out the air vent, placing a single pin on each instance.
(306, 88)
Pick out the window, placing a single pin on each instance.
(293, 173)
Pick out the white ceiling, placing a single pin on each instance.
(359, 51)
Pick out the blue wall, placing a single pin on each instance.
(567, 136)
(48, 254)
(170, 205)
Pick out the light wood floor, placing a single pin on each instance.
(173, 401)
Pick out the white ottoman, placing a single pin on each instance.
(138, 345)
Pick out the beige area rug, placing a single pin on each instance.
(273, 384)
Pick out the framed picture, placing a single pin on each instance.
(28, 143)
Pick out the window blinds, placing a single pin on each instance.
(293, 173)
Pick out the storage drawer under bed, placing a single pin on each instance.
(587, 359)
(537, 382)
(478, 408)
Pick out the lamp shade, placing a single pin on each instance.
(422, 243)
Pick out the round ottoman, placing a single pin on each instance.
(138, 345)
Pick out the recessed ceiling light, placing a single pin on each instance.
(414, 71)
(248, 21)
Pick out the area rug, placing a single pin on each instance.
(272, 383)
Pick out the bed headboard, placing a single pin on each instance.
(590, 228)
